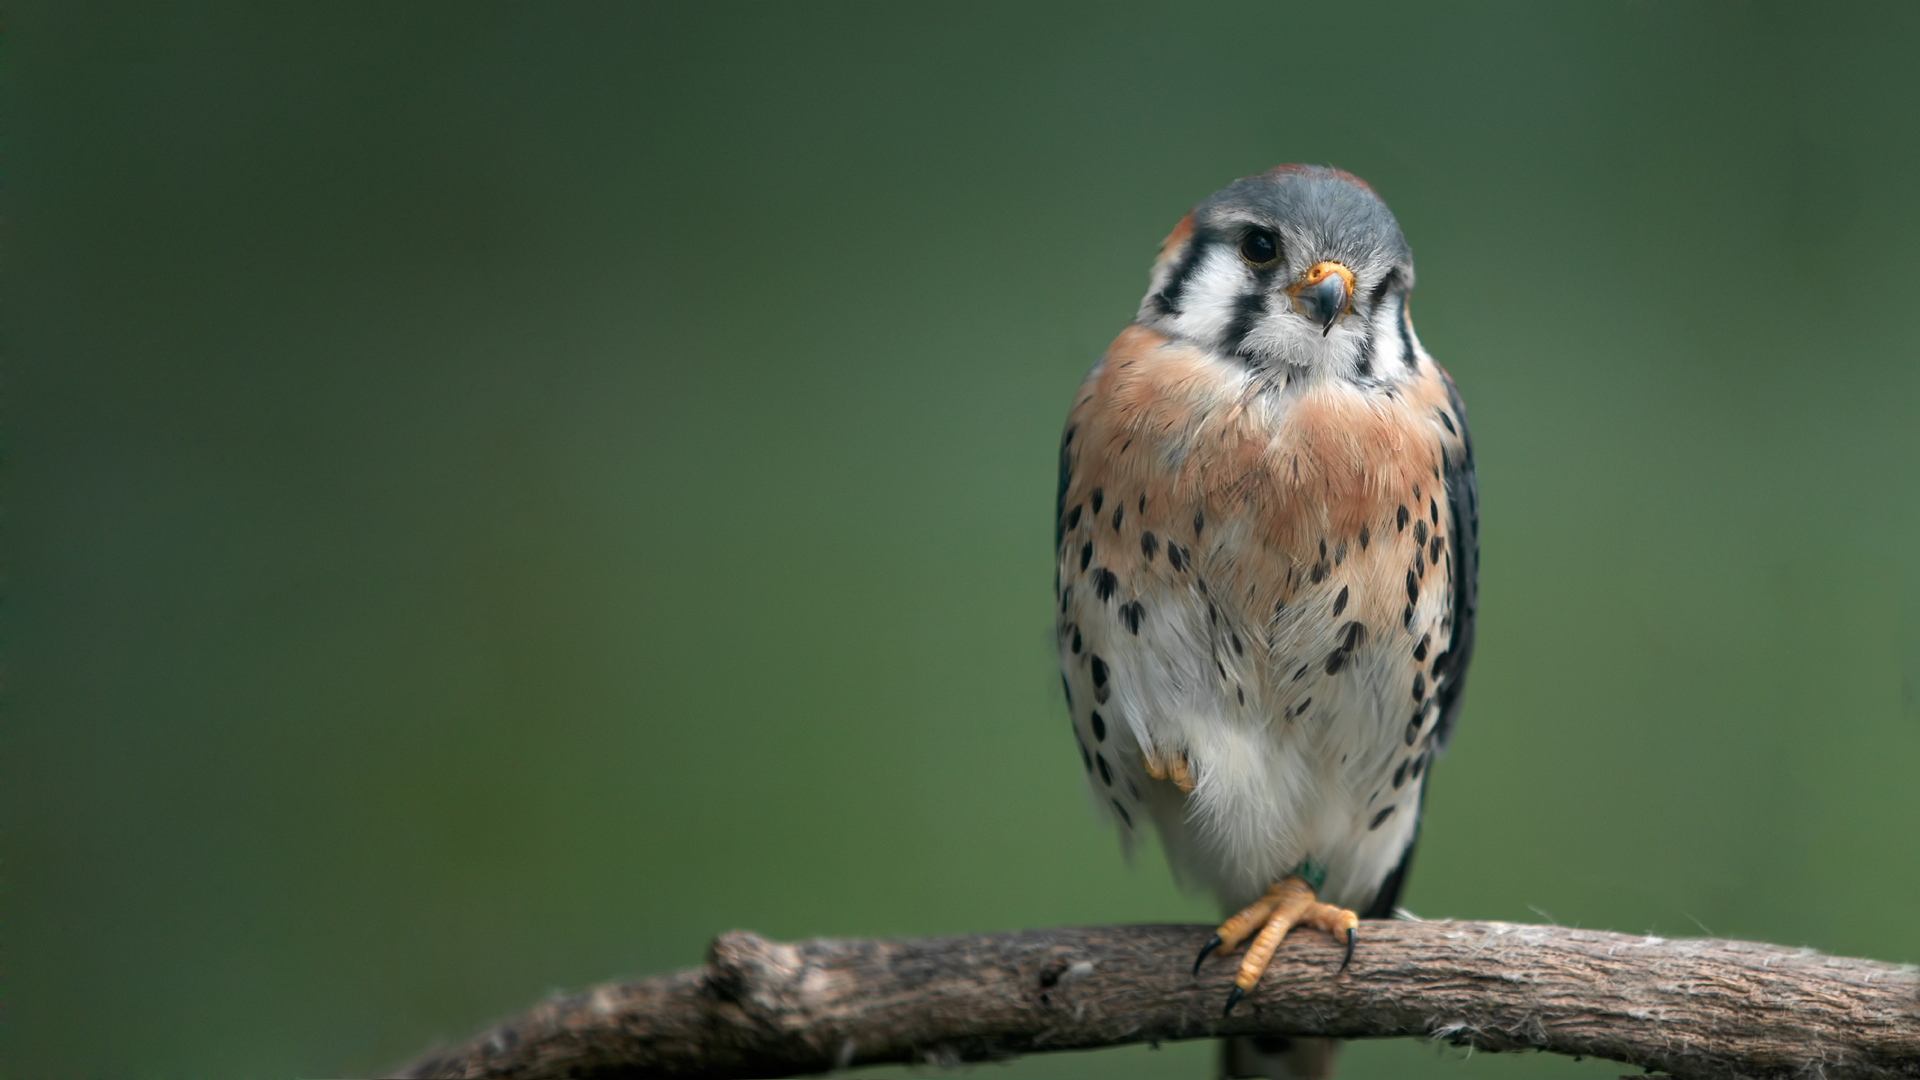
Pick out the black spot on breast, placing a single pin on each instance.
(1118, 513)
(1213, 614)
(1340, 602)
(1380, 818)
(1420, 650)
(1176, 558)
(1073, 517)
(1340, 553)
(1086, 759)
(1298, 674)
(1419, 687)
(1068, 690)
(1076, 641)
(1445, 419)
(1099, 497)
(1413, 729)
(1220, 667)
(1099, 672)
(1400, 516)
(1301, 709)
(1418, 764)
(1238, 649)
(1406, 617)
(1143, 502)
(1318, 574)
(1323, 549)
(1066, 594)
(1150, 545)
(1399, 774)
(1241, 692)
(1419, 532)
(1413, 587)
(1122, 811)
(1365, 536)
(1086, 554)
(1131, 614)
(1199, 521)
(1104, 583)
(1106, 774)
(1067, 439)
(1433, 553)
(1351, 638)
(1099, 727)
(1433, 510)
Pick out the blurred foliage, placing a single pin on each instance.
(499, 494)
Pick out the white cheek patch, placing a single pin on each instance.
(1207, 301)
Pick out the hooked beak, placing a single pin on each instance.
(1324, 294)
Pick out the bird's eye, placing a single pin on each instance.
(1259, 247)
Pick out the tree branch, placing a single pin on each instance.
(1698, 1008)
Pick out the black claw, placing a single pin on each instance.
(1205, 951)
(1233, 998)
(1348, 959)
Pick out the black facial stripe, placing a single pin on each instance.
(1170, 294)
(1247, 310)
(1386, 285)
(1406, 335)
(1364, 368)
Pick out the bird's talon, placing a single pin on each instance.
(1233, 998)
(1173, 767)
(1180, 773)
(1348, 959)
(1205, 951)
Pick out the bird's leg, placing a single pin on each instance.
(1282, 907)
(1174, 768)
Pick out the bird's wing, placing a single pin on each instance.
(1463, 500)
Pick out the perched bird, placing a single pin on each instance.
(1267, 543)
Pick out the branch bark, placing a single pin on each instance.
(1695, 1008)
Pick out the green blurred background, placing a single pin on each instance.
(499, 494)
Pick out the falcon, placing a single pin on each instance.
(1267, 545)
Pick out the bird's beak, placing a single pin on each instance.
(1324, 294)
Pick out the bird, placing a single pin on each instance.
(1267, 545)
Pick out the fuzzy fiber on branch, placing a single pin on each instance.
(1702, 1008)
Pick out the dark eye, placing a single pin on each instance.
(1259, 247)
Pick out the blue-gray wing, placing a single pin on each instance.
(1463, 498)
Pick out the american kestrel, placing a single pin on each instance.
(1267, 542)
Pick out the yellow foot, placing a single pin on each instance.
(1282, 907)
(1174, 768)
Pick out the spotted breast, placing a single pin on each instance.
(1258, 583)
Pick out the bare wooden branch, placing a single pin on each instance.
(1695, 1008)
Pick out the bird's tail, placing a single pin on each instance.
(1277, 1058)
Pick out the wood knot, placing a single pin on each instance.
(742, 964)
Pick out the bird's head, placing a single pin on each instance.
(1301, 267)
